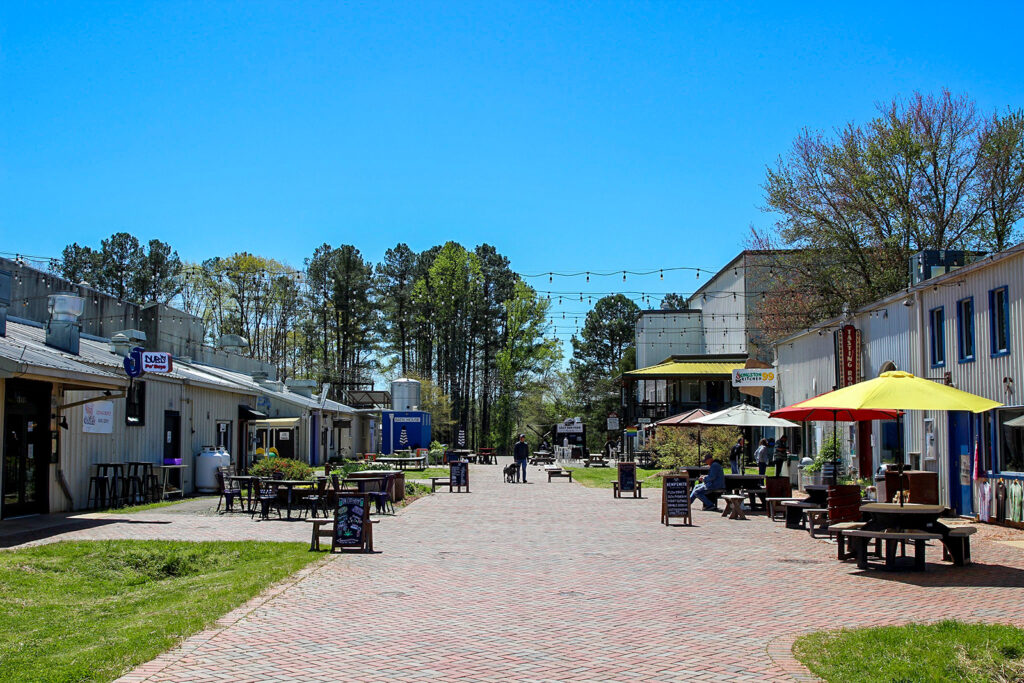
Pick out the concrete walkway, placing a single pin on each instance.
(554, 581)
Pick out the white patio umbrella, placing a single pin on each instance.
(743, 415)
(1015, 422)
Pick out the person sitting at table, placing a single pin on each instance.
(714, 480)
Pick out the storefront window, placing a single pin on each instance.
(892, 442)
(135, 405)
(1011, 442)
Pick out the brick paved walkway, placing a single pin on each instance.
(560, 582)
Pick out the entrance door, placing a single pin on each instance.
(26, 448)
(961, 442)
(865, 457)
(172, 436)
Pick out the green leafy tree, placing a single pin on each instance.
(158, 277)
(605, 349)
(121, 258)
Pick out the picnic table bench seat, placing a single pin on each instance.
(733, 506)
(837, 530)
(816, 519)
(961, 536)
(775, 508)
(596, 461)
(443, 481)
(559, 473)
(794, 508)
(892, 541)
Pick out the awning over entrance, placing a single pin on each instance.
(247, 413)
(686, 368)
(278, 422)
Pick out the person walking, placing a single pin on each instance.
(521, 453)
(736, 457)
(781, 454)
(761, 456)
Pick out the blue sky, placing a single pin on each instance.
(569, 135)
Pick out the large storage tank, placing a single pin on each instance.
(405, 394)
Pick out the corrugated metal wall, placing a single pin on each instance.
(200, 409)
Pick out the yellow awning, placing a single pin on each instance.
(276, 422)
(687, 368)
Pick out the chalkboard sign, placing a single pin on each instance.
(350, 520)
(451, 456)
(627, 476)
(675, 497)
(458, 474)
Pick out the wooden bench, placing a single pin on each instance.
(891, 539)
(959, 535)
(443, 481)
(323, 528)
(559, 473)
(638, 489)
(733, 506)
(596, 461)
(815, 520)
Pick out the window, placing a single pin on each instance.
(999, 321)
(1011, 442)
(965, 329)
(135, 405)
(938, 336)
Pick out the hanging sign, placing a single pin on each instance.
(613, 423)
(98, 417)
(849, 356)
(753, 378)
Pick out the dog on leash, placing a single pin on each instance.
(512, 473)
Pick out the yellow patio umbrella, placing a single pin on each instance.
(898, 390)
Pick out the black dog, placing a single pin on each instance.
(512, 473)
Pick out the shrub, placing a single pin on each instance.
(829, 453)
(676, 447)
(286, 467)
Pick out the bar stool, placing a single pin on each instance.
(114, 474)
(135, 482)
(97, 496)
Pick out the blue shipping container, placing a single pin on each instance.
(402, 429)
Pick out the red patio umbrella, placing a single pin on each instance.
(802, 413)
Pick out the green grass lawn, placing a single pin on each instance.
(427, 473)
(602, 477)
(92, 610)
(946, 651)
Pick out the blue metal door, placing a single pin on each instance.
(961, 445)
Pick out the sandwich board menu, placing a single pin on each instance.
(675, 497)
(627, 478)
(351, 518)
(458, 475)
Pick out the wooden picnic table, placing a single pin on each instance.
(884, 516)
(404, 463)
(818, 494)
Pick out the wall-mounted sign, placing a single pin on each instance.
(849, 355)
(753, 378)
(613, 424)
(139, 361)
(98, 417)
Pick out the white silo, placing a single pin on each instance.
(405, 394)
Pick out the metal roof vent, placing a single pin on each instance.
(62, 329)
(233, 343)
(122, 342)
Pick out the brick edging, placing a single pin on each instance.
(780, 652)
(190, 644)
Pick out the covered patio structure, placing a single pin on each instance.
(678, 384)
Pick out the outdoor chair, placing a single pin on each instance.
(317, 500)
(97, 495)
(228, 493)
(264, 497)
(379, 492)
